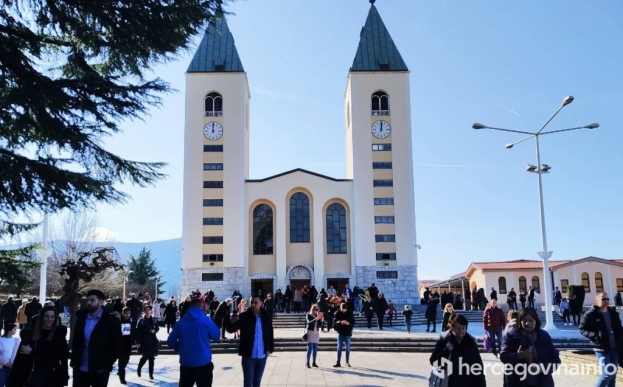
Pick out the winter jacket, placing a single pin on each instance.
(431, 309)
(170, 314)
(493, 319)
(9, 312)
(191, 338)
(343, 329)
(148, 341)
(21, 315)
(367, 308)
(465, 352)
(444, 322)
(104, 344)
(593, 327)
(546, 356)
(245, 323)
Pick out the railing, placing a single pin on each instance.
(214, 113)
(380, 112)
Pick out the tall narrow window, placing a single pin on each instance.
(586, 282)
(336, 229)
(263, 230)
(564, 284)
(502, 285)
(599, 282)
(380, 104)
(536, 284)
(299, 218)
(213, 105)
(522, 284)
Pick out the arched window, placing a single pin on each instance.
(336, 229)
(299, 218)
(502, 285)
(536, 284)
(586, 282)
(522, 284)
(213, 105)
(380, 104)
(599, 282)
(263, 230)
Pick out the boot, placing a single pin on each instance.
(151, 369)
(141, 363)
(314, 365)
(307, 365)
(337, 365)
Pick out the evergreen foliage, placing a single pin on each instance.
(71, 72)
(144, 269)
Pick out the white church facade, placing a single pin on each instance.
(299, 227)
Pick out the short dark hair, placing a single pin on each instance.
(97, 293)
(457, 318)
(525, 312)
(195, 302)
(126, 309)
(8, 327)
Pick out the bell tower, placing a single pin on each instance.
(216, 164)
(380, 162)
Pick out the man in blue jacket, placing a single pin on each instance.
(191, 338)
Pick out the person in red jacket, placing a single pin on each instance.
(494, 322)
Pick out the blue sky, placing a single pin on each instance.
(504, 64)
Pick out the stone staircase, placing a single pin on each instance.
(297, 320)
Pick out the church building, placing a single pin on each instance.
(299, 227)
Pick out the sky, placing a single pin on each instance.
(503, 64)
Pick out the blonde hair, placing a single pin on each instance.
(314, 306)
(448, 306)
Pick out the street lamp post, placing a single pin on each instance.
(125, 277)
(539, 169)
(156, 279)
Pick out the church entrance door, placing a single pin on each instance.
(262, 287)
(338, 284)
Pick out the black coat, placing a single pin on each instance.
(245, 323)
(593, 327)
(9, 312)
(468, 353)
(170, 314)
(135, 305)
(50, 357)
(32, 309)
(343, 329)
(147, 340)
(368, 308)
(431, 310)
(380, 305)
(222, 314)
(104, 344)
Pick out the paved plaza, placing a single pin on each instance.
(368, 368)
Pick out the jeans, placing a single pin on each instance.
(252, 371)
(201, 375)
(312, 351)
(124, 358)
(408, 322)
(4, 376)
(608, 364)
(357, 304)
(343, 341)
(496, 341)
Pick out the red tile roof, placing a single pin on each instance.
(519, 264)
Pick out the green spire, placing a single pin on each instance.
(217, 51)
(377, 51)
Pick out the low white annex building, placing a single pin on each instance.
(299, 227)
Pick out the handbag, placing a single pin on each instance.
(436, 380)
(486, 341)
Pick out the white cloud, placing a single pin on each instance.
(100, 234)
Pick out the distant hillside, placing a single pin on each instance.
(165, 253)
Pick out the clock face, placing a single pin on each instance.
(213, 130)
(381, 129)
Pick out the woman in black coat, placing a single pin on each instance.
(368, 310)
(170, 315)
(146, 329)
(431, 314)
(42, 359)
(459, 347)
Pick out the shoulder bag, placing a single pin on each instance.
(304, 337)
(438, 377)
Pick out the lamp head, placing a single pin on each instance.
(568, 99)
(545, 168)
(530, 168)
(509, 146)
(592, 126)
(479, 126)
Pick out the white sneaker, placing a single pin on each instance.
(565, 324)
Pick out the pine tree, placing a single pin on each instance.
(71, 72)
(144, 269)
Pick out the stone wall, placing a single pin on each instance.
(583, 362)
(402, 290)
(232, 280)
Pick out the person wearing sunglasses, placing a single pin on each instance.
(602, 326)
